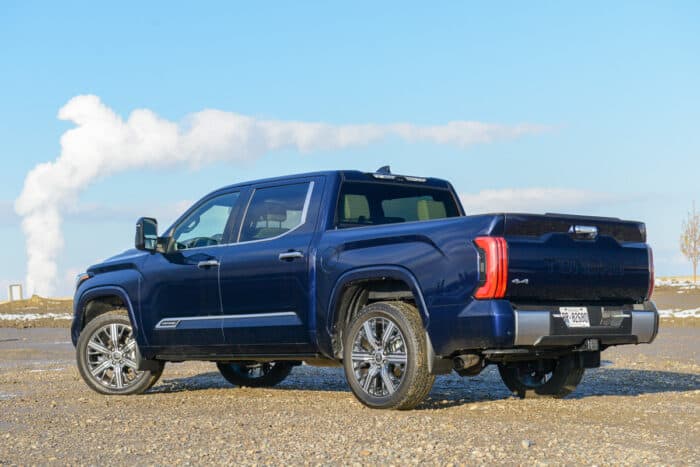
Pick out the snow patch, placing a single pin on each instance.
(41, 370)
(34, 316)
(682, 284)
(678, 313)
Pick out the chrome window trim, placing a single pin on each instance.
(304, 212)
(177, 320)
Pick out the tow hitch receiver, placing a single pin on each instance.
(589, 345)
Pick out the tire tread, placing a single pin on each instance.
(422, 381)
(144, 385)
(563, 382)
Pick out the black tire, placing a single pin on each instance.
(554, 378)
(255, 374)
(396, 375)
(118, 360)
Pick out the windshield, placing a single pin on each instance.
(373, 203)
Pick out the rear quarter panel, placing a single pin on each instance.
(438, 254)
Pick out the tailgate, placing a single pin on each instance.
(575, 259)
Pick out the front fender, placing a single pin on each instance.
(85, 296)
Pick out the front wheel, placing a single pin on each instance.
(385, 356)
(106, 356)
(254, 374)
(555, 378)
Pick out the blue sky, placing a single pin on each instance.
(616, 83)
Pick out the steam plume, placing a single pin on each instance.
(103, 144)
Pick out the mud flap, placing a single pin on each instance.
(147, 365)
(436, 365)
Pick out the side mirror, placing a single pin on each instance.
(146, 234)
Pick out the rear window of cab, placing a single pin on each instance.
(373, 203)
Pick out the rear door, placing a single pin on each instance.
(265, 279)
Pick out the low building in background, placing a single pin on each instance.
(14, 292)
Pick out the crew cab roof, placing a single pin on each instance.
(350, 175)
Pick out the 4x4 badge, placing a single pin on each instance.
(521, 281)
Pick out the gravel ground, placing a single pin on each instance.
(641, 407)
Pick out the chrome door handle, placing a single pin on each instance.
(210, 263)
(290, 255)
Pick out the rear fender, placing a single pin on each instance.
(376, 272)
(435, 365)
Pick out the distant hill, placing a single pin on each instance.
(37, 304)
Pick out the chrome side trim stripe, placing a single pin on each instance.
(260, 315)
(172, 323)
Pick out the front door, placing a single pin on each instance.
(265, 287)
(180, 288)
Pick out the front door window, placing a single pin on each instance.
(206, 226)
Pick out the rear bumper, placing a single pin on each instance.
(539, 328)
(499, 324)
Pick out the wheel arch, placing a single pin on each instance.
(357, 287)
(99, 300)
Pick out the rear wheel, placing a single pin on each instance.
(106, 357)
(254, 374)
(554, 378)
(385, 356)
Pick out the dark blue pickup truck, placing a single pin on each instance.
(383, 274)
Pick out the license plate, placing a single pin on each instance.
(575, 317)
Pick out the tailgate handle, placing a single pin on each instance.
(587, 231)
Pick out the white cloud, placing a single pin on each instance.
(535, 200)
(103, 143)
(463, 134)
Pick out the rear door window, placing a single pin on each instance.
(274, 211)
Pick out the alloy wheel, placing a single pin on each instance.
(111, 357)
(379, 357)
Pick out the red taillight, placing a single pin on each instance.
(650, 290)
(494, 254)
